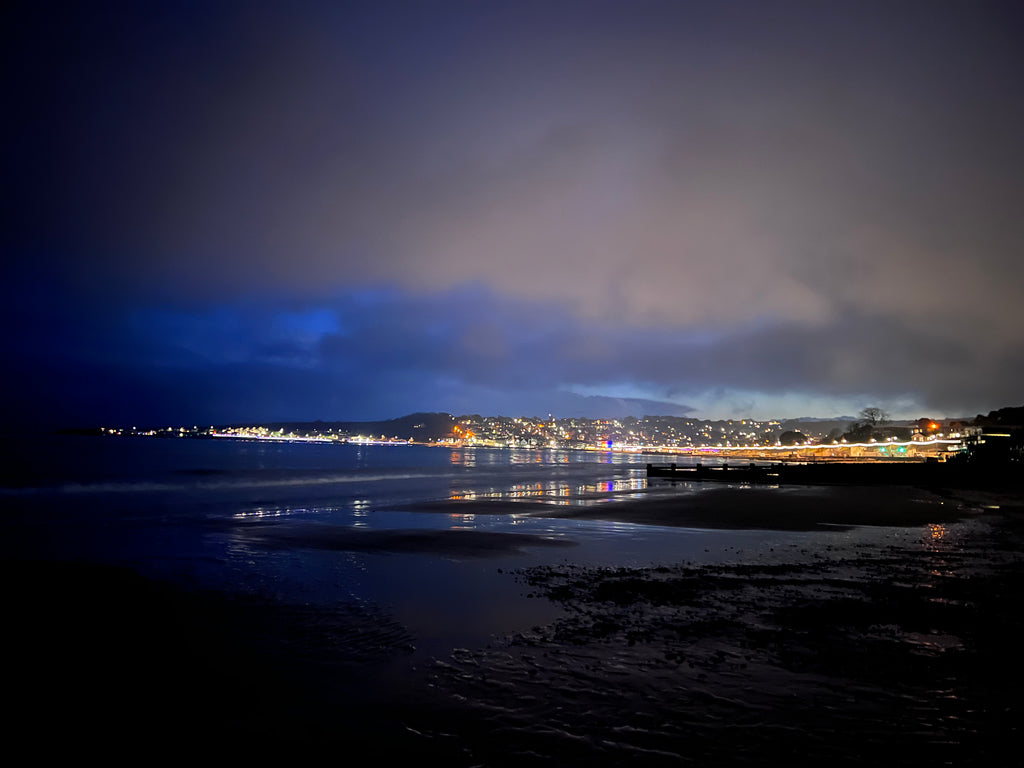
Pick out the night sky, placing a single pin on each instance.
(219, 212)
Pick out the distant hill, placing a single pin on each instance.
(1004, 417)
(415, 426)
(810, 426)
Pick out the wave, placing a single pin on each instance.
(160, 486)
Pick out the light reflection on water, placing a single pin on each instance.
(472, 457)
(450, 600)
(935, 533)
(189, 512)
(560, 491)
(203, 528)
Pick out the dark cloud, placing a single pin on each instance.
(377, 353)
(712, 205)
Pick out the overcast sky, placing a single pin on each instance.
(241, 211)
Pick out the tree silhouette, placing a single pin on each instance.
(873, 417)
(792, 438)
(863, 429)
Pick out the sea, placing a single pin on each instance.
(329, 523)
(429, 568)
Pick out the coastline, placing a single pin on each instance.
(888, 653)
(885, 649)
(731, 507)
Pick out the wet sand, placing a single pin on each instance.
(787, 509)
(706, 505)
(897, 653)
(101, 661)
(447, 543)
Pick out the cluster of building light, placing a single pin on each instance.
(833, 446)
(649, 435)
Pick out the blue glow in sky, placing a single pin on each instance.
(248, 211)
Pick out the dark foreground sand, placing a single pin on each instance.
(898, 654)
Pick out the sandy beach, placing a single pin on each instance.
(891, 650)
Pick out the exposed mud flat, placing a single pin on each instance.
(890, 645)
(904, 655)
(736, 507)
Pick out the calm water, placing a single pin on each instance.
(335, 561)
(211, 514)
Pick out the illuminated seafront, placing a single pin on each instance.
(499, 607)
(889, 450)
(744, 439)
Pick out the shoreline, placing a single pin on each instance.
(878, 651)
(726, 507)
(873, 648)
(889, 653)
